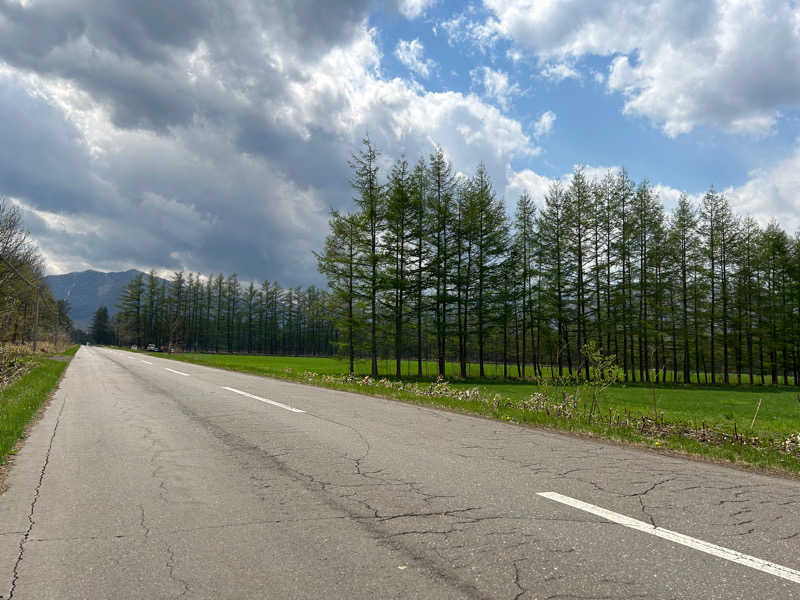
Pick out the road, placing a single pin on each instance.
(149, 478)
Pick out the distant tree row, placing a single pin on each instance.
(428, 265)
(21, 271)
(219, 314)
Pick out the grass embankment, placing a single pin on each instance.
(710, 421)
(22, 398)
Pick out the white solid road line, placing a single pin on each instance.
(176, 372)
(278, 404)
(679, 538)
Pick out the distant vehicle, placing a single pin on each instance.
(134, 347)
(152, 348)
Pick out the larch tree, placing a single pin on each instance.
(440, 193)
(490, 240)
(371, 203)
(578, 215)
(683, 226)
(524, 244)
(623, 192)
(339, 263)
(552, 231)
(712, 212)
(418, 186)
(397, 242)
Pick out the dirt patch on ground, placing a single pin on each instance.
(59, 358)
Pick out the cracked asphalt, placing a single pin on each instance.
(140, 483)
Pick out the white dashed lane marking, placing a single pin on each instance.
(259, 398)
(176, 372)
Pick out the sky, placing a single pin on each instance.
(215, 136)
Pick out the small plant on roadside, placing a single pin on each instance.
(603, 372)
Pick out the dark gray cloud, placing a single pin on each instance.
(42, 155)
(213, 186)
(133, 55)
(169, 202)
(209, 136)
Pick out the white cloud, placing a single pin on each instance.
(768, 194)
(669, 195)
(460, 28)
(593, 173)
(732, 64)
(514, 55)
(496, 85)
(411, 9)
(529, 181)
(559, 72)
(410, 53)
(544, 124)
(772, 193)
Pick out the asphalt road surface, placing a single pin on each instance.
(149, 478)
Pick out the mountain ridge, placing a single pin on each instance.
(88, 290)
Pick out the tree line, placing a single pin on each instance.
(21, 273)
(428, 265)
(219, 314)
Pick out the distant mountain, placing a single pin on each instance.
(89, 290)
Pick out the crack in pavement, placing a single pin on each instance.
(31, 521)
(248, 449)
(171, 570)
(517, 575)
(142, 524)
(647, 514)
(441, 513)
(424, 532)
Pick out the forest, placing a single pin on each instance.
(428, 264)
(429, 267)
(191, 312)
(21, 279)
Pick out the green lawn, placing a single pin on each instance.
(21, 400)
(713, 405)
(718, 407)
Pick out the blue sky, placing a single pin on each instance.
(591, 127)
(215, 136)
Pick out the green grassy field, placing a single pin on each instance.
(335, 366)
(779, 413)
(20, 401)
(716, 407)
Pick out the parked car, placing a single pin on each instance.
(152, 348)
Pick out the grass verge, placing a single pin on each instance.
(710, 422)
(22, 399)
(70, 351)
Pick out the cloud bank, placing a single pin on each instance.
(207, 138)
